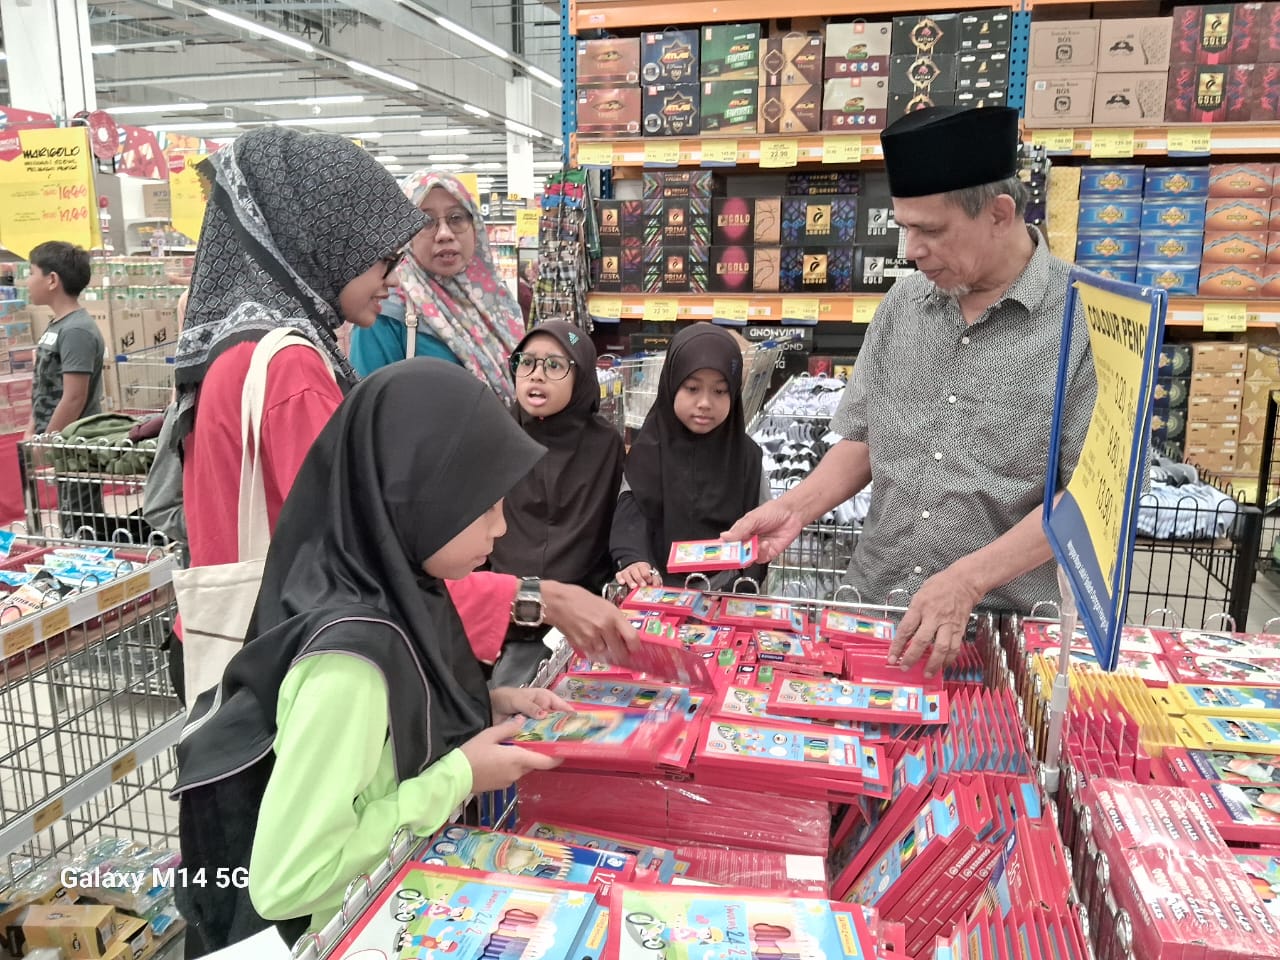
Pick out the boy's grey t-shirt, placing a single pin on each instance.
(70, 345)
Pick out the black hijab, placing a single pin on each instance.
(559, 515)
(692, 487)
(292, 218)
(383, 488)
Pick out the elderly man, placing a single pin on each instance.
(951, 403)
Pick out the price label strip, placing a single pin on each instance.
(719, 153)
(1191, 141)
(661, 310)
(778, 154)
(800, 310)
(595, 154)
(1112, 144)
(662, 153)
(841, 149)
(1055, 141)
(1225, 318)
(729, 311)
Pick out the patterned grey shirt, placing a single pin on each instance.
(957, 418)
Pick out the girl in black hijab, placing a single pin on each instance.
(357, 706)
(692, 470)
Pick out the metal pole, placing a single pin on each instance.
(1061, 693)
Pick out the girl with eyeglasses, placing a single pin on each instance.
(559, 515)
(450, 303)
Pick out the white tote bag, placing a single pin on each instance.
(216, 602)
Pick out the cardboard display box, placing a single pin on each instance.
(1230, 280)
(986, 29)
(932, 73)
(1136, 98)
(669, 56)
(791, 109)
(609, 111)
(1217, 357)
(822, 270)
(795, 58)
(731, 51)
(1064, 47)
(609, 63)
(1209, 94)
(730, 269)
(1180, 279)
(1241, 179)
(1060, 100)
(1223, 33)
(730, 106)
(1237, 214)
(819, 221)
(1168, 183)
(937, 33)
(746, 220)
(671, 110)
(1134, 45)
(986, 69)
(1172, 247)
(857, 49)
(854, 104)
(81, 932)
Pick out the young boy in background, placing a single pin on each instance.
(68, 375)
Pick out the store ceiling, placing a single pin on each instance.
(356, 79)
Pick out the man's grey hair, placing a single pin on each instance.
(973, 200)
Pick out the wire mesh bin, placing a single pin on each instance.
(758, 366)
(639, 386)
(90, 489)
(146, 379)
(815, 564)
(89, 717)
(611, 400)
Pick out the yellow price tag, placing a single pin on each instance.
(595, 154)
(778, 153)
(124, 766)
(1191, 140)
(19, 639)
(1112, 144)
(794, 308)
(661, 310)
(841, 149)
(59, 621)
(735, 311)
(527, 223)
(1055, 141)
(661, 153)
(864, 308)
(48, 815)
(1225, 318)
(608, 307)
(720, 152)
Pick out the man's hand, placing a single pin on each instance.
(593, 626)
(495, 765)
(533, 702)
(639, 574)
(938, 616)
(776, 524)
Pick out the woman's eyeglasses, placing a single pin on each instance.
(458, 223)
(554, 367)
(390, 262)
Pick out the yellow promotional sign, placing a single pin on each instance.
(46, 189)
(1118, 329)
(188, 195)
(661, 310)
(527, 223)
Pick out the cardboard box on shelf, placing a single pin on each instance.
(1059, 100)
(746, 220)
(794, 108)
(1249, 180)
(1274, 221)
(819, 221)
(1164, 216)
(1232, 246)
(1252, 429)
(1213, 410)
(1135, 98)
(731, 269)
(1217, 384)
(1230, 280)
(1209, 94)
(857, 49)
(1211, 458)
(1157, 247)
(1217, 356)
(1202, 33)
(900, 104)
(609, 111)
(1119, 215)
(1172, 183)
(155, 201)
(730, 106)
(133, 942)
(1237, 214)
(937, 33)
(1107, 246)
(663, 184)
(1064, 46)
(1262, 369)
(877, 267)
(986, 29)
(793, 58)
(766, 274)
(913, 74)
(855, 104)
(1271, 281)
(984, 69)
(610, 276)
(670, 110)
(1180, 279)
(983, 97)
(81, 932)
(1123, 270)
(1249, 459)
(669, 56)
(1112, 181)
(1212, 436)
(828, 269)
(1134, 45)
(609, 63)
(731, 51)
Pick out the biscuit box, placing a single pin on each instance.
(1164, 215)
(795, 58)
(609, 278)
(1174, 361)
(730, 106)
(609, 111)
(986, 29)
(1231, 280)
(1224, 33)
(1134, 45)
(1110, 215)
(1110, 270)
(662, 184)
(829, 183)
(675, 222)
(857, 49)
(1157, 247)
(790, 109)
(766, 272)
(1241, 179)
(1108, 247)
(671, 110)
(1264, 98)
(1169, 183)
(675, 269)
(1064, 47)
(985, 97)
(937, 33)
(1237, 214)
(819, 221)
(731, 51)
(1231, 246)
(1181, 279)
(609, 218)
(669, 57)
(823, 270)
(922, 73)
(853, 104)
(1124, 180)
(1209, 94)
(609, 63)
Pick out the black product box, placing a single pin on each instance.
(730, 106)
(824, 270)
(989, 97)
(747, 220)
(791, 59)
(669, 57)
(670, 110)
(977, 70)
(875, 211)
(640, 273)
(675, 269)
(609, 279)
(1172, 393)
(610, 217)
(934, 73)
(846, 182)
(662, 184)
(986, 29)
(819, 221)
(731, 51)
(730, 269)
(791, 109)
(937, 33)
(699, 222)
(1175, 361)
(877, 267)
(675, 222)
(642, 222)
(900, 104)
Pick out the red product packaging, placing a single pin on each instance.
(673, 602)
(758, 614)
(666, 658)
(692, 556)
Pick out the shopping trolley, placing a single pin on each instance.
(758, 366)
(611, 399)
(145, 378)
(815, 564)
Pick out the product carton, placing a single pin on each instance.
(1209, 94)
(1180, 279)
(1172, 247)
(731, 51)
(766, 275)
(1230, 246)
(934, 34)
(746, 220)
(731, 269)
(820, 270)
(1119, 181)
(855, 104)
(920, 74)
(857, 49)
(1137, 98)
(1251, 180)
(81, 932)
(1231, 280)
(1134, 45)
(984, 70)
(1205, 411)
(1169, 183)
(671, 110)
(1060, 100)
(1121, 248)
(669, 56)
(790, 109)
(986, 29)
(794, 58)
(1216, 357)
(877, 267)
(1186, 215)
(609, 111)
(1237, 214)
(819, 221)
(609, 63)
(1064, 47)
(730, 106)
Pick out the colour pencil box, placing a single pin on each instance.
(696, 556)
(685, 603)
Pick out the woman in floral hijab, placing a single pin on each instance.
(450, 292)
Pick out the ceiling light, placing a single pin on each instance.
(203, 125)
(557, 141)
(99, 49)
(547, 165)
(473, 38)
(374, 72)
(311, 101)
(262, 31)
(540, 74)
(193, 78)
(524, 128)
(387, 159)
(488, 166)
(367, 135)
(447, 157)
(449, 167)
(394, 168)
(160, 108)
(476, 111)
(445, 132)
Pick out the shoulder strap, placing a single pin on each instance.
(411, 330)
(254, 526)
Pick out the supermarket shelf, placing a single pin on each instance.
(838, 308)
(810, 148)
(1225, 139)
(587, 15)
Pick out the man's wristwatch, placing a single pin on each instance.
(527, 609)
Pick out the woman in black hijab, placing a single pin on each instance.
(357, 706)
(692, 470)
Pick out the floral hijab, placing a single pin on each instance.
(473, 313)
